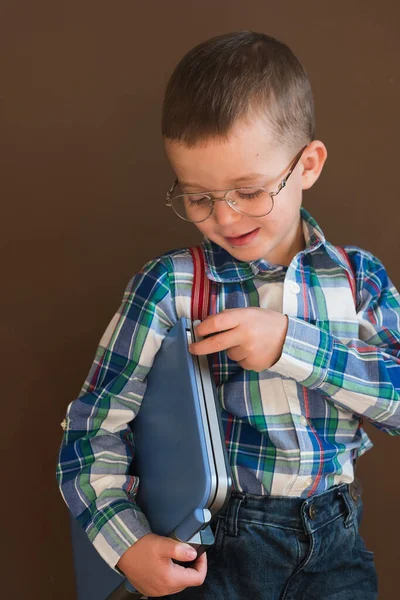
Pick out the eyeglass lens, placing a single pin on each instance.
(252, 202)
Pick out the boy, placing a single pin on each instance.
(306, 344)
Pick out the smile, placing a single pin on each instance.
(244, 239)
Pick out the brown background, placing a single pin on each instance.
(82, 187)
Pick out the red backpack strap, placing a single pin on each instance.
(350, 273)
(352, 281)
(200, 303)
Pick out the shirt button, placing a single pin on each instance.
(303, 421)
(295, 287)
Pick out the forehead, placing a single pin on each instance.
(248, 148)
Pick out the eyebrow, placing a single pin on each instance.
(234, 182)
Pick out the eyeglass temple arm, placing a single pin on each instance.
(170, 191)
(292, 168)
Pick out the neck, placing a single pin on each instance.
(284, 253)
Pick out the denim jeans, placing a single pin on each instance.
(279, 548)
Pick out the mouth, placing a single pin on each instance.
(242, 240)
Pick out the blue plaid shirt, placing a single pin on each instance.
(291, 430)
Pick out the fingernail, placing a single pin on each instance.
(190, 552)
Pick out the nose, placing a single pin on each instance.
(224, 214)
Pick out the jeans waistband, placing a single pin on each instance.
(294, 513)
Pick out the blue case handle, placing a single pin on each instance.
(193, 522)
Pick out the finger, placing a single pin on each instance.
(176, 550)
(216, 343)
(237, 353)
(201, 564)
(248, 365)
(226, 319)
(184, 552)
(195, 574)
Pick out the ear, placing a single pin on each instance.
(312, 161)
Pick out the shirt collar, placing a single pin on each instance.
(222, 267)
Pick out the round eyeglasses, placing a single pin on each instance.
(256, 201)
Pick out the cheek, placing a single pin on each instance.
(286, 210)
(280, 221)
(271, 223)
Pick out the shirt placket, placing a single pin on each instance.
(301, 425)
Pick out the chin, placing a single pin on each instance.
(247, 254)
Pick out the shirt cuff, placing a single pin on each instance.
(118, 534)
(306, 354)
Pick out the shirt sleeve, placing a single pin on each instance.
(97, 446)
(363, 375)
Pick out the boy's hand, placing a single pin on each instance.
(253, 337)
(148, 566)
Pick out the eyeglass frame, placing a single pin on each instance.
(292, 166)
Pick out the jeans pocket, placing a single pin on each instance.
(360, 547)
(359, 544)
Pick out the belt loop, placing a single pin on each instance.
(231, 519)
(349, 505)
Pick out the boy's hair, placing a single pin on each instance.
(231, 76)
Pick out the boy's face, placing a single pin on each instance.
(249, 152)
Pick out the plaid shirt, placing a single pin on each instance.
(291, 430)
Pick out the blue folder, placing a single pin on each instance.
(180, 455)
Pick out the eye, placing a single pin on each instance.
(197, 199)
(250, 193)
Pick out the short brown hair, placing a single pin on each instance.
(225, 77)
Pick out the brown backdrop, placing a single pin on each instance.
(83, 180)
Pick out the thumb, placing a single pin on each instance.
(181, 551)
